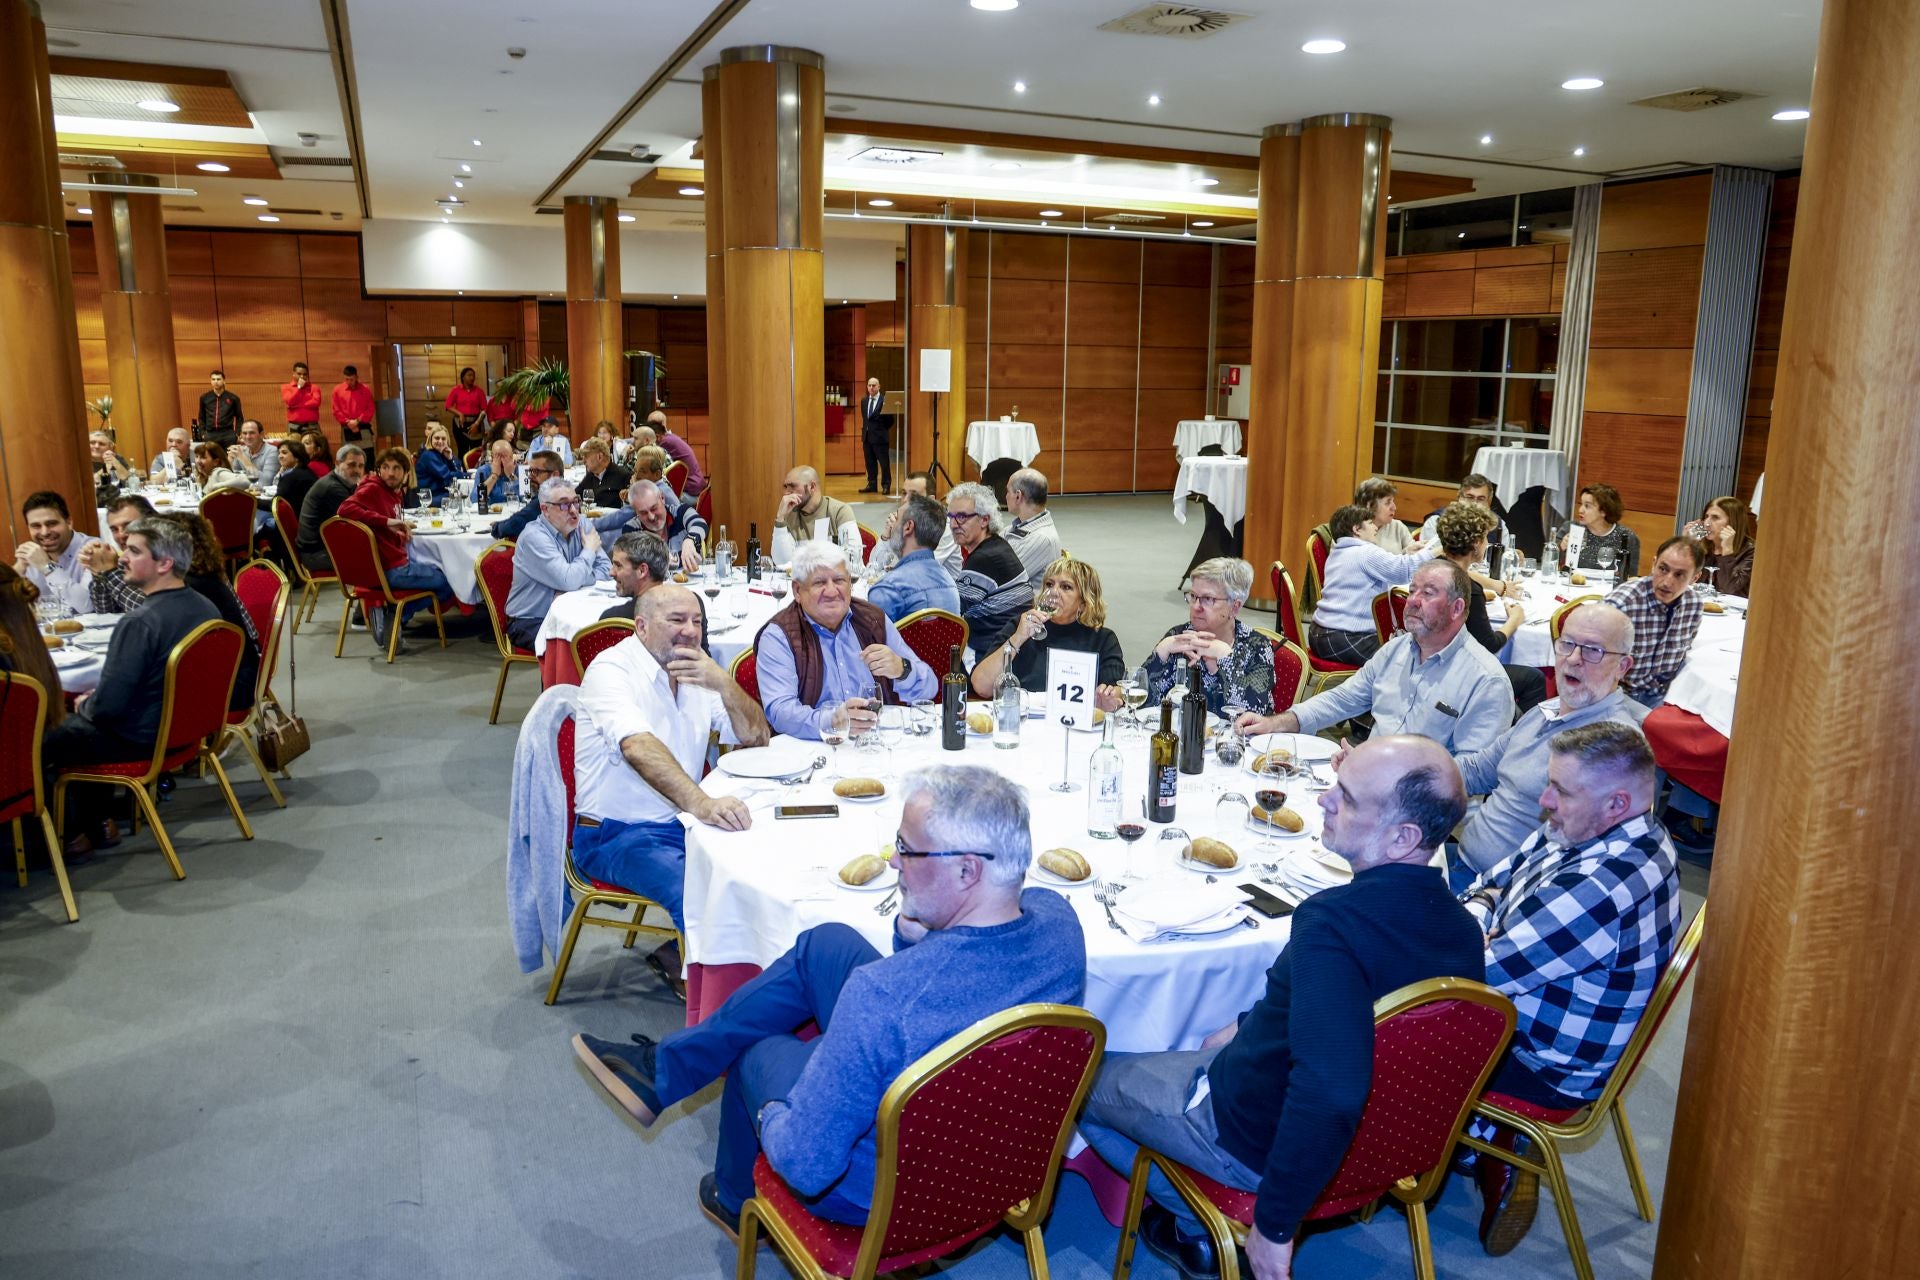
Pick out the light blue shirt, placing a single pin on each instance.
(66, 579)
(546, 565)
(559, 444)
(846, 675)
(1460, 697)
(916, 582)
(1357, 571)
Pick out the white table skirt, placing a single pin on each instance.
(80, 673)
(1192, 435)
(727, 636)
(749, 894)
(456, 554)
(991, 441)
(1221, 481)
(1514, 471)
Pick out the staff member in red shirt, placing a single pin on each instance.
(468, 405)
(531, 416)
(377, 504)
(302, 400)
(353, 409)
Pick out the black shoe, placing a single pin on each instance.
(1689, 835)
(378, 622)
(868, 489)
(1194, 1259)
(1509, 1197)
(665, 964)
(716, 1212)
(624, 1072)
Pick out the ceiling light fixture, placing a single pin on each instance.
(626, 217)
(880, 204)
(1792, 113)
(1203, 224)
(994, 6)
(476, 142)
(1019, 86)
(459, 185)
(1153, 99)
(691, 191)
(253, 200)
(83, 209)
(1050, 213)
(1486, 139)
(676, 297)
(212, 166)
(269, 217)
(1579, 84)
(1206, 182)
(466, 168)
(157, 104)
(1004, 165)
(1579, 151)
(1323, 46)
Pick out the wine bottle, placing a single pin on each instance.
(1193, 724)
(953, 704)
(753, 552)
(1496, 552)
(1163, 768)
(1104, 770)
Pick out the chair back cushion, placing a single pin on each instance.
(563, 743)
(1289, 675)
(1559, 617)
(1288, 605)
(1319, 545)
(286, 521)
(230, 512)
(595, 640)
(746, 674)
(931, 634)
(868, 540)
(703, 505)
(676, 477)
(1390, 613)
(355, 555)
(496, 580)
(472, 459)
(23, 704)
(200, 675)
(262, 591)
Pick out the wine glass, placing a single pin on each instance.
(1230, 743)
(423, 497)
(1046, 605)
(778, 585)
(1276, 766)
(1130, 828)
(1230, 815)
(1603, 556)
(711, 589)
(833, 735)
(1133, 688)
(1712, 592)
(1172, 843)
(892, 728)
(766, 568)
(739, 606)
(926, 717)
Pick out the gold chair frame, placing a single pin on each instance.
(966, 630)
(1025, 1217)
(1306, 666)
(1412, 1193)
(1389, 595)
(495, 616)
(1559, 616)
(396, 602)
(585, 895)
(309, 584)
(247, 731)
(1549, 1136)
(55, 855)
(593, 628)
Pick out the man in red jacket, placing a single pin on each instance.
(301, 398)
(376, 504)
(353, 409)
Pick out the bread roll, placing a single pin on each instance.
(69, 627)
(678, 576)
(1066, 863)
(859, 788)
(54, 642)
(1285, 819)
(862, 869)
(1209, 852)
(1577, 579)
(1261, 761)
(496, 508)
(980, 720)
(1711, 606)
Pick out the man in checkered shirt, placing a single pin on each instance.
(1665, 614)
(1580, 924)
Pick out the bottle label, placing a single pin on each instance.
(1166, 784)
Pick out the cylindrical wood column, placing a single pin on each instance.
(136, 307)
(1339, 275)
(43, 420)
(1267, 431)
(1798, 1116)
(596, 336)
(712, 148)
(772, 126)
(937, 319)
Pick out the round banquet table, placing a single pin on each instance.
(455, 552)
(1514, 471)
(1191, 435)
(1221, 481)
(990, 441)
(728, 637)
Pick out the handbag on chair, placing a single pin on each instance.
(282, 733)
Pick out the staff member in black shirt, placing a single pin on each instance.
(1270, 1103)
(220, 415)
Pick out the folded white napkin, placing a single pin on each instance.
(1163, 911)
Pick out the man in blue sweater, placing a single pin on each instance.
(1269, 1103)
(967, 944)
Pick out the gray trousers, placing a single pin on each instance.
(1140, 1100)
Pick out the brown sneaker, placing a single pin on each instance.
(1509, 1196)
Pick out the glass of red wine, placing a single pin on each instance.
(1275, 767)
(1130, 828)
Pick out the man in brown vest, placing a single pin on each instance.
(827, 660)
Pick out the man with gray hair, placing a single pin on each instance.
(916, 581)
(554, 555)
(992, 582)
(1579, 923)
(806, 513)
(1032, 535)
(967, 943)
(322, 504)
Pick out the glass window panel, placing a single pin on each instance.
(1382, 399)
(1529, 405)
(1380, 437)
(1438, 456)
(1534, 346)
(1463, 224)
(1546, 217)
(1466, 346)
(1447, 400)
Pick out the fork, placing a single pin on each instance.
(890, 903)
(1105, 895)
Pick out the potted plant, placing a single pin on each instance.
(543, 382)
(104, 407)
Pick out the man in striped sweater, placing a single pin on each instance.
(993, 585)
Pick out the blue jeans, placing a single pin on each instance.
(419, 577)
(1651, 699)
(650, 858)
(750, 1040)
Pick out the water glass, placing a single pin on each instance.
(739, 604)
(1172, 845)
(1230, 814)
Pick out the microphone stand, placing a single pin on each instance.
(935, 471)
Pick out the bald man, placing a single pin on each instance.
(804, 509)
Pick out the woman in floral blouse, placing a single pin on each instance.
(1236, 662)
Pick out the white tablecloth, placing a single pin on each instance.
(1221, 481)
(79, 668)
(749, 894)
(1192, 435)
(727, 636)
(456, 554)
(1530, 645)
(1514, 471)
(989, 441)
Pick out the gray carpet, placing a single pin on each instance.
(316, 1056)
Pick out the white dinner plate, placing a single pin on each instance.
(1205, 869)
(423, 531)
(1279, 833)
(885, 880)
(94, 621)
(70, 657)
(779, 761)
(1040, 875)
(1310, 746)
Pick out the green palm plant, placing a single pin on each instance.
(543, 382)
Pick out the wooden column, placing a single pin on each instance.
(43, 419)
(1267, 439)
(1798, 1117)
(596, 335)
(1339, 275)
(712, 148)
(136, 307)
(937, 318)
(772, 124)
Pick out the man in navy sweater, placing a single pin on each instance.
(967, 944)
(1269, 1103)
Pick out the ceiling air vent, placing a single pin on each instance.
(1694, 99)
(631, 155)
(896, 156)
(1660, 168)
(1180, 21)
(294, 213)
(183, 208)
(1130, 218)
(688, 222)
(286, 158)
(82, 160)
(549, 208)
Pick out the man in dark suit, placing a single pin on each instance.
(874, 428)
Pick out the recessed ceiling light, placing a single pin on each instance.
(212, 166)
(1205, 182)
(880, 204)
(476, 142)
(1050, 213)
(466, 168)
(1203, 224)
(1153, 99)
(691, 191)
(1486, 139)
(83, 209)
(157, 104)
(1581, 83)
(1019, 86)
(1323, 46)
(676, 297)
(1792, 113)
(269, 217)
(1004, 165)
(1461, 236)
(995, 6)
(253, 200)
(843, 302)
(1579, 151)
(626, 217)
(458, 185)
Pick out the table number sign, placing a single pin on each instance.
(1071, 682)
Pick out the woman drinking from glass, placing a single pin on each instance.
(1068, 613)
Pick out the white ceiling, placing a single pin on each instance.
(431, 79)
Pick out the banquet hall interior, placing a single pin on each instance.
(1206, 270)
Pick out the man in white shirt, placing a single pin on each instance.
(174, 461)
(1476, 489)
(647, 706)
(254, 455)
(51, 556)
(1032, 536)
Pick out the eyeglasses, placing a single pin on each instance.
(961, 517)
(563, 506)
(1588, 652)
(900, 847)
(1210, 602)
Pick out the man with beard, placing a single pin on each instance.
(916, 580)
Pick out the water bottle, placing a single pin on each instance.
(1104, 786)
(1008, 708)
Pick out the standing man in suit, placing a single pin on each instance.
(220, 415)
(874, 428)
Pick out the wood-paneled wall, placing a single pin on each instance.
(1766, 334)
(1523, 280)
(1100, 343)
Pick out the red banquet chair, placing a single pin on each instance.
(1435, 1043)
(1289, 670)
(969, 1136)
(676, 477)
(23, 706)
(288, 523)
(1322, 674)
(591, 641)
(588, 894)
(472, 457)
(356, 558)
(932, 633)
(703, 505)
(193, 712)
(1389, 613)
(494, 569)
(262, 591)
(1319, 547)
(231, 512)
(745, 671)
(868, 541)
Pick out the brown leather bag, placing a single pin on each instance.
(283, 734)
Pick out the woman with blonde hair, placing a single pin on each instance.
(1078, 622)
(437, 465)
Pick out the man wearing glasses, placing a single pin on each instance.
(992, 582)
(554, 555)
(541, 467)
(967, 943)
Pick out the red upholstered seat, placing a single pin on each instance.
(592, 641)
(868, 541)
(494, 569)
(1530, 1110)
(230, 512)
(1287, 602)
(746, 674)
(363, 576)
(703, 505)
(1389, 613)
(262, 591)
(932, 633)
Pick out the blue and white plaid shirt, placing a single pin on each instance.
(1577, 938)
